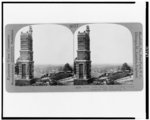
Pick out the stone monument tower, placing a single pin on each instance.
(83, 61)
(25, 61)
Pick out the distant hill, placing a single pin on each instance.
(96, 69)
(40, 70)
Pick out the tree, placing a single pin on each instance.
(67, 68)
(125, 67)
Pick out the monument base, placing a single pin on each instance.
(22, 82)
(80, 82)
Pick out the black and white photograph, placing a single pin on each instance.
(94, 54)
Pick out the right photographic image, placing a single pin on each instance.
(103, 55)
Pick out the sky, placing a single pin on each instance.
(55, 44)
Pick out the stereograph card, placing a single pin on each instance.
(73, 57)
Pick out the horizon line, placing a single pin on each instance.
(92, 64)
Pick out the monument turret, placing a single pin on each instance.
(25, 61)
(83, 61)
